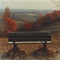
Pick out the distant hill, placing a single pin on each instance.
(25, 14)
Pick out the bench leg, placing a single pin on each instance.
(15, 51)
(44, 47)
(40, 51)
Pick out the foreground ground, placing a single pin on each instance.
(28, 48)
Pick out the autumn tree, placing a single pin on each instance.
(7, 12)
(39, 22)
(10, 23)
(27, 26)
(57, 15)
(51, 18)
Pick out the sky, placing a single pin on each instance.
(28, 4)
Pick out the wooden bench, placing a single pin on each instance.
(29, 37)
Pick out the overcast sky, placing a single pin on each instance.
(27, 4)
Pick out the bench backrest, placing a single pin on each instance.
(29, 37)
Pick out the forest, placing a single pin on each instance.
(11, 25)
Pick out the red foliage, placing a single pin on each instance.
(27, 25)
(39, 21)
(55, 15)
(10, 24)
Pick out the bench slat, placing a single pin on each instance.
(29, 37)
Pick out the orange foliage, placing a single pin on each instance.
(27, 25)
(53, 15)
(39, 21)
(10, 24)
